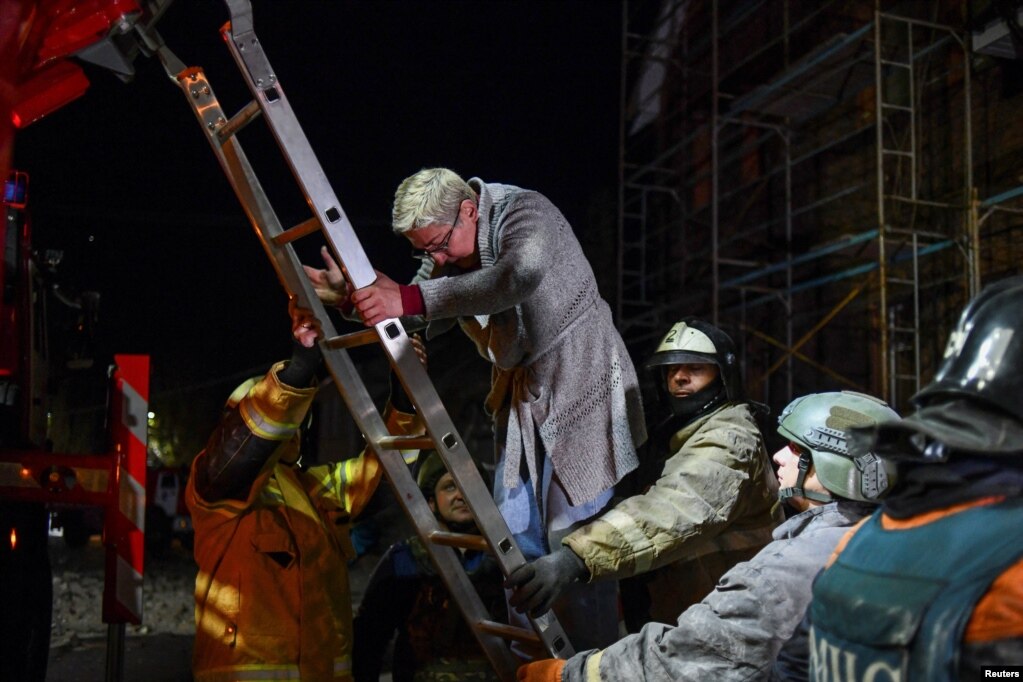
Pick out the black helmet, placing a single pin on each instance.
(975, 402)
(696, 341)
(984, 354)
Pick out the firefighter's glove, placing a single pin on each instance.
(303, 366)
(538, 583)
(548, 670)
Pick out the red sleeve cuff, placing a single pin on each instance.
(411, 300)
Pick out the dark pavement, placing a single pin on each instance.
(148, 658)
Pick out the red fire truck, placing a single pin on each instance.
(39, 43)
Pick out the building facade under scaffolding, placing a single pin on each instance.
(828, 181)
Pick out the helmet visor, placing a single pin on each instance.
(681, 357)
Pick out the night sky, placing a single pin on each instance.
(123, 181)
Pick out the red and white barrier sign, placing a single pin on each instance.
(124, 525)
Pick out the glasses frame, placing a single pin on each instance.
(423, 254)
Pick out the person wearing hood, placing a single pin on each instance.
(931, 586)
(735, 633)
(714, 505)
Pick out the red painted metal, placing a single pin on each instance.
(115, 481)
(37, 33)
(46, 91)
(78, 24)
(124, 524)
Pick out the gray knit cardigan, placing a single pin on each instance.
(534, 311)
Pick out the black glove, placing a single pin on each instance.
(538, 583)
(398, 398)
(302, 367)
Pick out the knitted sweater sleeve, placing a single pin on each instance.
(526, 253)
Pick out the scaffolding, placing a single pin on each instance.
(801, 174)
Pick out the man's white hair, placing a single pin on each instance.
(433, 195)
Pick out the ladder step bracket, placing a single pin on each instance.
(206, 107)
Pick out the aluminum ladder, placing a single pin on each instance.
(329, 220)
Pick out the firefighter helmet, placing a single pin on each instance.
(697, 342)
(819, 423)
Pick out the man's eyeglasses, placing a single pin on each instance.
(423, 254)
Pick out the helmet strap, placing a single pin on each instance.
(797, 490)
(699, 403)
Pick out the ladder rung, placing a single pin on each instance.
(899, 280)
(363, 338)
(904, 330)
(240, 120)
(896, 152)
(301, 230)
(461, 540)
(508, 632)
(407, 443)
(896, 107)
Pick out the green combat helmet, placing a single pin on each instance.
(819, 423)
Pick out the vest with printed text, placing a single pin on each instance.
(894, 605)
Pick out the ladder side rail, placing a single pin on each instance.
(414, 504)
(283, 123)
(242, 178)
(454, 454)
(450, 446)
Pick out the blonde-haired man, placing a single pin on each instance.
(503, 263)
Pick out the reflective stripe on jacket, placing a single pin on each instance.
(716, 493)
(272, 596)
